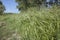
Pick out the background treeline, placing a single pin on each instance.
(25, 4)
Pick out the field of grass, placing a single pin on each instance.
(33, 24)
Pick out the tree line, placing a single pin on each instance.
(25, 4)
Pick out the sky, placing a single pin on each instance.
(10, 6)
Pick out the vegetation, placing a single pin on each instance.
(2, 8)
(25, 4)
(31, 25)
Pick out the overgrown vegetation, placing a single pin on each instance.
(32, 24)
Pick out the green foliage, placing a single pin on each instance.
(25, 4)
(2, 8)
(32, 25)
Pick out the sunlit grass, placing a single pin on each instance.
(33, 24)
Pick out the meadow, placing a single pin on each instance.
(33, 24)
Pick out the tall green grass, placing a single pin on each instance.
(33, 24)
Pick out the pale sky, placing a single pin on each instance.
(10, 6)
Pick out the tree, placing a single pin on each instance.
(2, 8)
(25, 4)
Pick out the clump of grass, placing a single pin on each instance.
(39, 25)
(36, 25)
